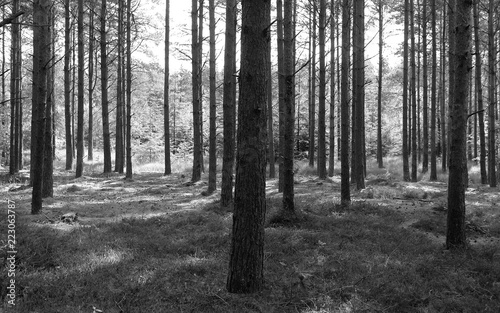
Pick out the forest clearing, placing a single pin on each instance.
(157, 244)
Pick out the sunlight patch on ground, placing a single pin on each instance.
(99, 259)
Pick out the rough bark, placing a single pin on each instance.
(425, 104)
(80, 96)
(331, 155)
(289, 110)
(491, 96)
(345, 99)
(406, 166)
(128, 168)
(322, 92)
(119, 143)
(434, 77)
(195, 59)
(281, 92)
(380, 159)
(247, 246)
(413, 90)
(457, 178)
(166, 91)
(104, 90)
(91, 41)
(212, 163)
(41, 56)
(67, 86)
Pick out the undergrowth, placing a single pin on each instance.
(335, 259)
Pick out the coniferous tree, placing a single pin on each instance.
(457, 178)
(41, 57)
(322, 92)
(166, 91)
(106, 137)
(67, 85)
(246, 263)
(212, 171)
(345, 192)
(81, 77)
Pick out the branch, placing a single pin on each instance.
(477, 112)
(11, 18)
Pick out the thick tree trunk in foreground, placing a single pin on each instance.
(457, 179)
(41, 56)
(247, 247)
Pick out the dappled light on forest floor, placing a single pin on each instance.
(157, 244)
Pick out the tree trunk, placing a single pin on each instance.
(81, 77)
(434, 77)
(212, 163)
(345, 192)
(331, 155)
(247, 246)
(358, 93)
(196, 173)
(68, 50)
(229, 104)
(406, 167)
(119, 149)
(457, 178)
(41, 57)
(380, 159)
(491, 96)
(413, 89)
(322, 92)
(128, 172)
(289, 110)
(166, 91)
(90, 143)
(312, 88)
(104, 90)
(15, 95)
(425, 118)
(281, 91)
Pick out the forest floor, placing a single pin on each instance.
(156, 244)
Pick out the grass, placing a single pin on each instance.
(354, 259)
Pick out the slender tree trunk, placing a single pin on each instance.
(212, 170)
(345, 99)
(200, 81)
(380, 159)
(434, 77)
(104, 90)
(425, 117)
(90, 144)
(119, 149)
(358, 150)
(413, 89)
(67, 85)
(281, 91)
(312, 88)
(166, 91)
(229, 104)
(246, 263)
(81, 77)
(289, 110)
(196, 174)
(491, 96)
(457, 178)
(322, 92)
(15, 96)
(41, 57)
(331, 155)
(406, 167)
(128, 172)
